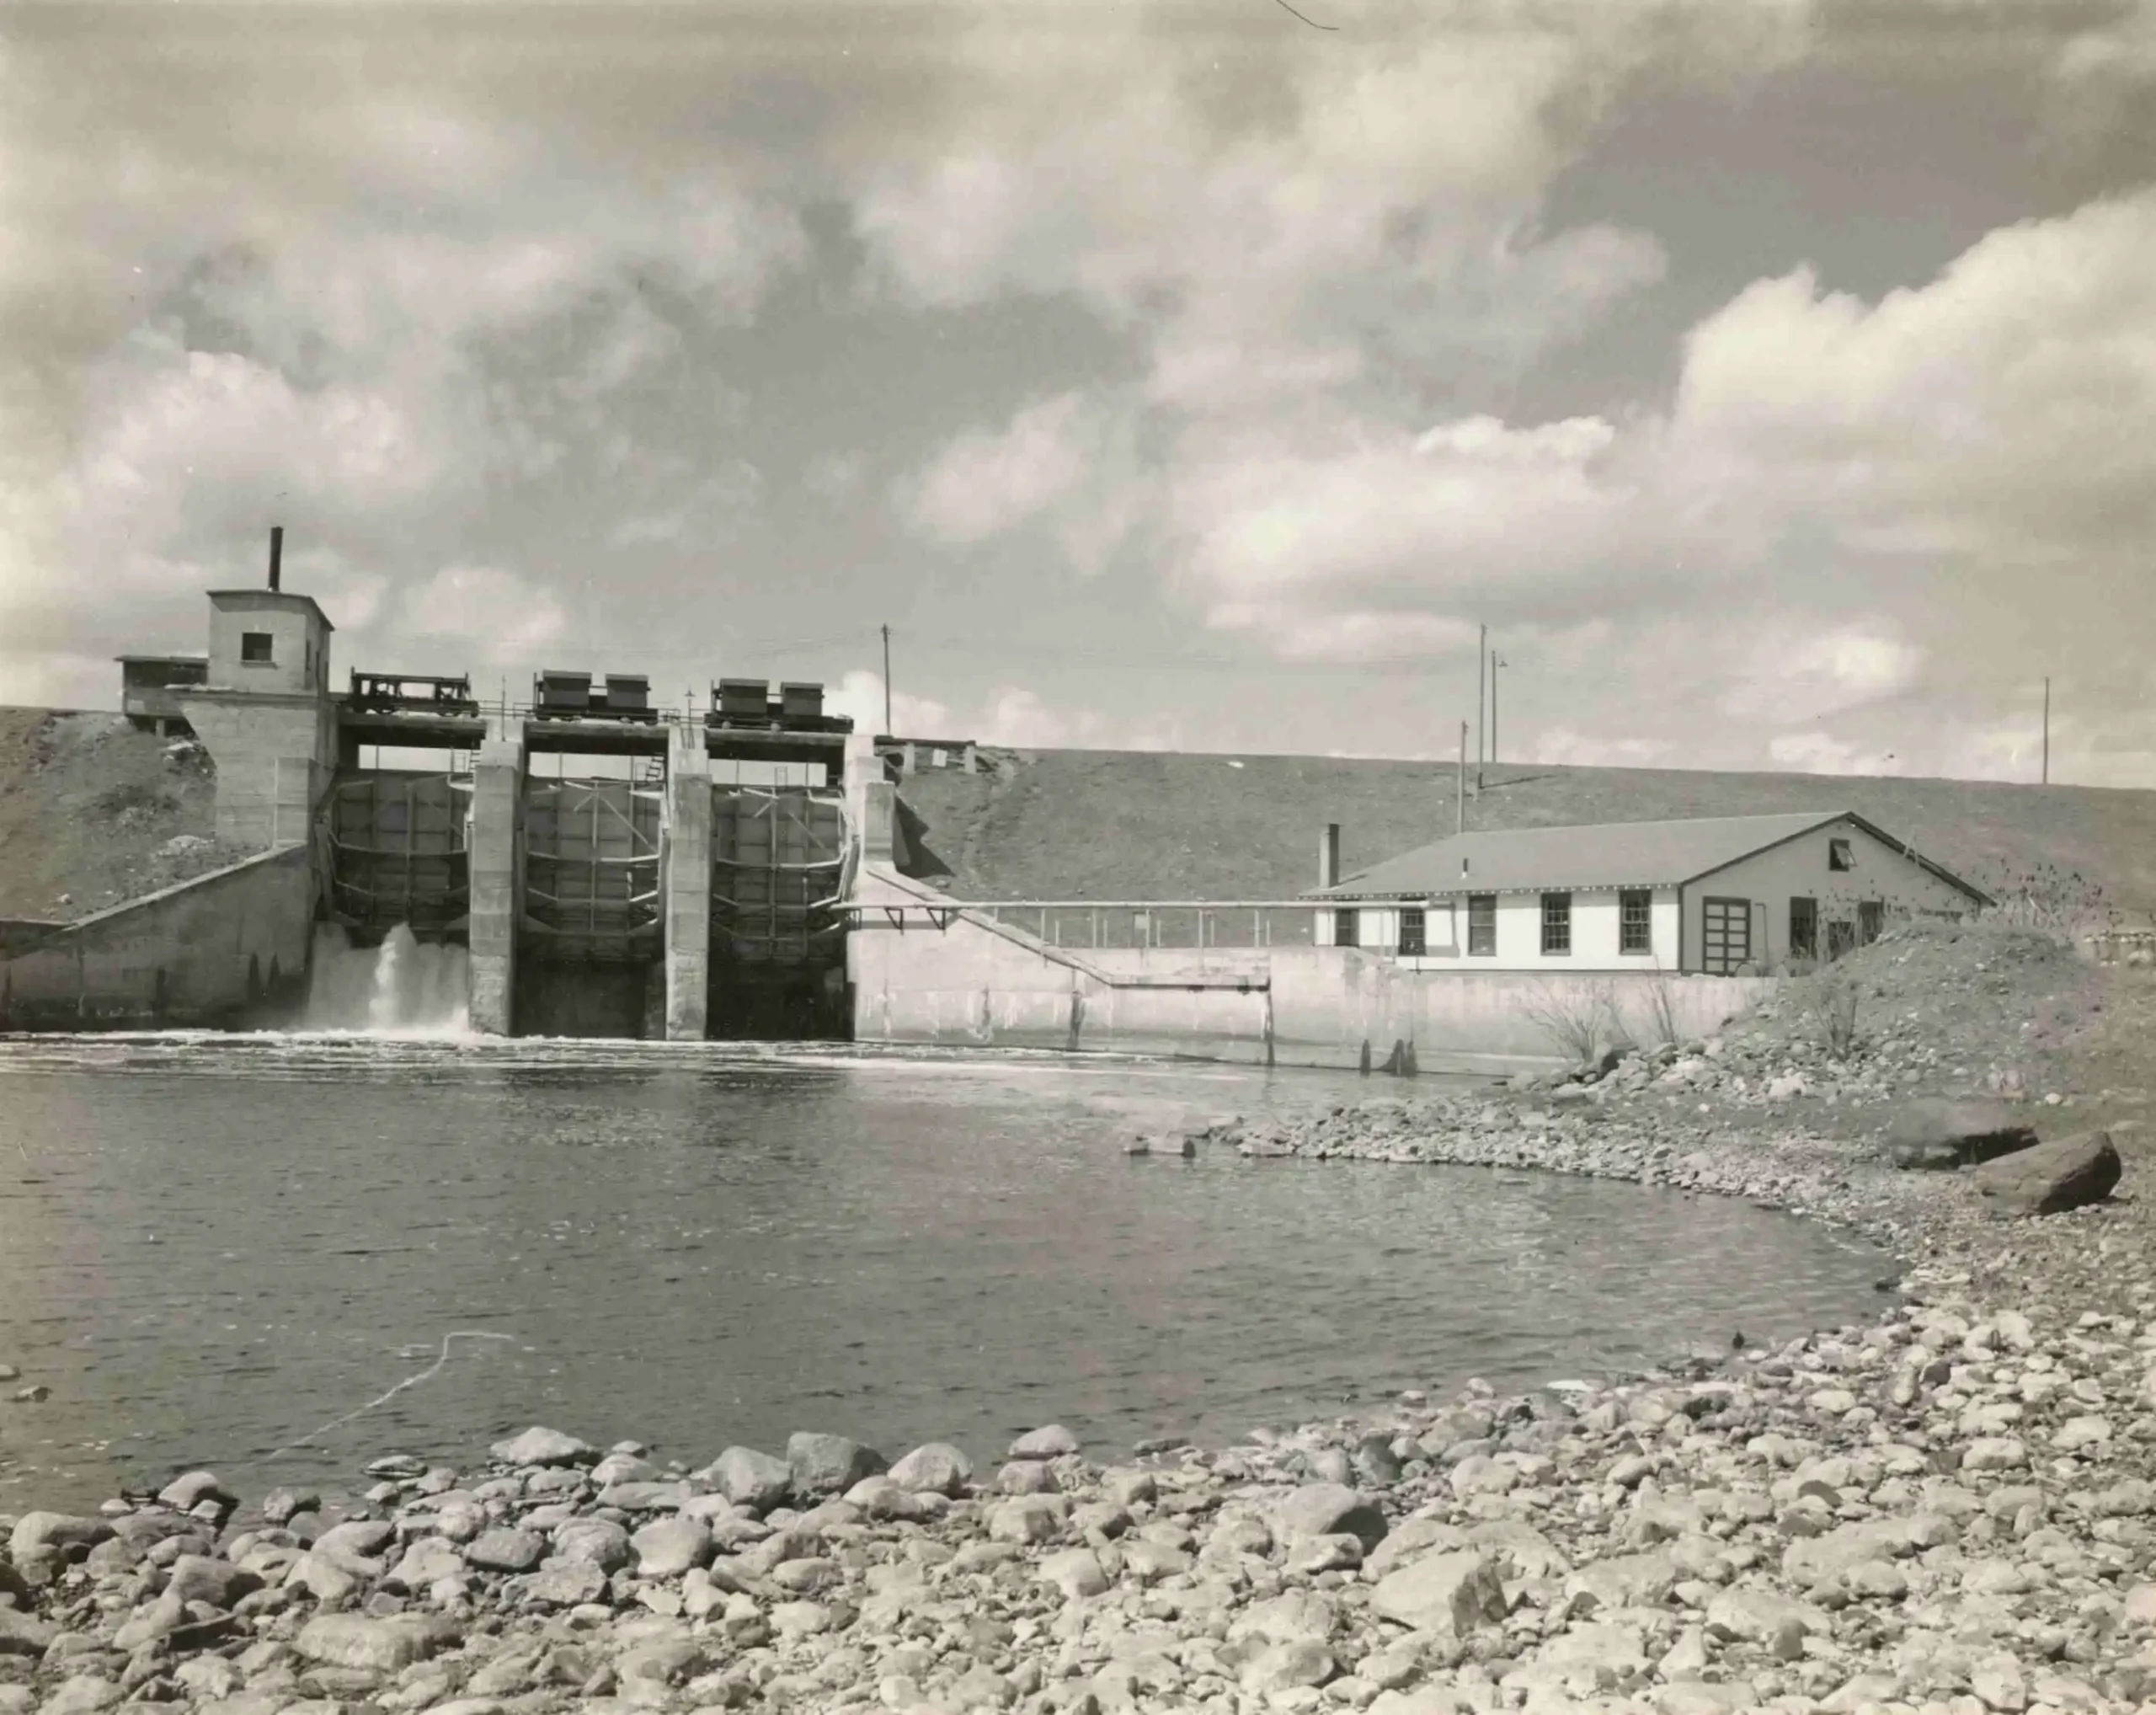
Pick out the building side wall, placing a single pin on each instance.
(1798, 869)
(217, 950)
(298, 661)
(1595, 920)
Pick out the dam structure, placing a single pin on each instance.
(607, 867)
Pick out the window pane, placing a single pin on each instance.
(1636, 921)
(1482, 924)
(1347, 924)
(1556, 922)
(254, 646)
(1411, 933)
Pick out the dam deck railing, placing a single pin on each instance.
(1099, 925)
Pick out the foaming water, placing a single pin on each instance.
(403, 987)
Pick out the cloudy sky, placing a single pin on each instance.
(1775, 378)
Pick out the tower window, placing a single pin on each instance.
(257, 646)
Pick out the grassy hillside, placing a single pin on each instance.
(1134, 824)
(93, 812)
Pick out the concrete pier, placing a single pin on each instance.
(497, 878)
(687, 884)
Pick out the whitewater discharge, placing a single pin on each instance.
(404, 987)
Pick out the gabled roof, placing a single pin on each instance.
(1597, 855)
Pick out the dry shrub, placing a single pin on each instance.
(1662, 1009)
(1580, 1019)
(1833, 1010)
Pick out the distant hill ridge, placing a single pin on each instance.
(1157, 825)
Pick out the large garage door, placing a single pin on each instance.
(1726, 935)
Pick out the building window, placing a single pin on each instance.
(1839, 855)
(255, 646)
(1841, 937)
(1411, 936)
(1636, 920)
(1482, 925)
(1556, 923)
(1803, 928)
(1870, 919)
(1347, 926)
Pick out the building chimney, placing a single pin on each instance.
(1328, 857)
(276, 553)
(1462, 866)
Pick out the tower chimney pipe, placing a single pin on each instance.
(1328, 857)
(276, 554)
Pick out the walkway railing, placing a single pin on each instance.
(1101, 925)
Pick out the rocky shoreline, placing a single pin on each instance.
(1950, 1509)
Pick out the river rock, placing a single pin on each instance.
(2054, 1177)
(828, 1464)
(544, 1446)
(506, 1551)
(670, 1547)
(46, 1533)
(570, 1584)
(183, 1494)
(750, 1478)
(1448, 1594)
(382, 1646)
(24, 1634)
(936, 1468)
(1329, 1509)
(195, 1578)
(598, 1542)
(1051, 1442)
(425, 1563)
(1935, 1134)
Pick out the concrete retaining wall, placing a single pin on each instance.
(224, 948)
(975, 983)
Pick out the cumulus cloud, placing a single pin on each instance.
(1797, 675)
(1565, 747)
(983, 484)
(494, 611)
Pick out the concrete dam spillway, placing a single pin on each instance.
(582, 865)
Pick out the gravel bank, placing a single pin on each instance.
(1949, 1509)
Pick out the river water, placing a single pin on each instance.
(211, 1248)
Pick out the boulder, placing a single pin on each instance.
(828, 1464)
(504, 1550)
(543, 1446)
(1932, 1133)
(1329, 1509)
(1450, 1595)
(196, 1578)
(2064, 1174)
(382, 1646)
(1051, 1442)
(185, 1493)
(671, 1546)
(24, 1634)
(936, 1468)
(39, 1533)
(598, 1542)
(748, 1478)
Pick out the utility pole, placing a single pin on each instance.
(888, 733)
(1481, 696)
(2047, 729)
(1459, 808)
(1494, 665)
